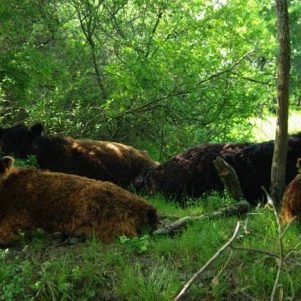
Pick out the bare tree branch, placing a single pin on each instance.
(251, 79)
(208, 263)
(255, 251)
(240, 208)
(177, 92)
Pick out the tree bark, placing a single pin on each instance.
(281, 139)
(229, 178)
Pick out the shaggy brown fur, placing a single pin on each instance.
(291, 202)
(32, 198)
(100, 160)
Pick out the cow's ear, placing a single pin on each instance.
(37, 129)
(298, 165)
(8, 162)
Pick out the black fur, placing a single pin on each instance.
(192, 173)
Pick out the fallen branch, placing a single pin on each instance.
(282, 262)
(264, 252)
(208, 263)
(240, 208)
(229, 178)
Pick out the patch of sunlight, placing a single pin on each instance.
(264, 129)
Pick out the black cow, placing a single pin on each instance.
(192, 173)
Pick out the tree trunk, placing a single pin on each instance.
(281, 138)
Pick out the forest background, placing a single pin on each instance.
(163, 76)
(159, 75)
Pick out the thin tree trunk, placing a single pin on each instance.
(281, 139)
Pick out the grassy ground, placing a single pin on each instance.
(155, 268)
(151, 268)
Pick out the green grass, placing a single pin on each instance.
(155, 268)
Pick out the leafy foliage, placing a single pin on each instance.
(157, 74)
(30, 161)
(135, 244)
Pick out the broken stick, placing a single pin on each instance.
(229, 178)
(240, 208)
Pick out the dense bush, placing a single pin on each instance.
(149, 73)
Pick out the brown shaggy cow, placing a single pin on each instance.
(291, 202)
(31, 198)
(100, 160)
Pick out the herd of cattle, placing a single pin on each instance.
(81, 186)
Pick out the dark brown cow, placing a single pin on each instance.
(101, 160)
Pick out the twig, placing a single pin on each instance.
(290, 281)
(255, 251)
(226, 70)
(271, 205)
(292, 249)
(175, 92)
(251, 79)
(208, 263)
(225, 265)
(246, 225)
(248, 296)
(236, 209)
(280, 260)
(59, 289)
(287, 226)
(51, 290)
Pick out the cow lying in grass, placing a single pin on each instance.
(291, 202)
(31, 198)
(101, 160)
(192, 173)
